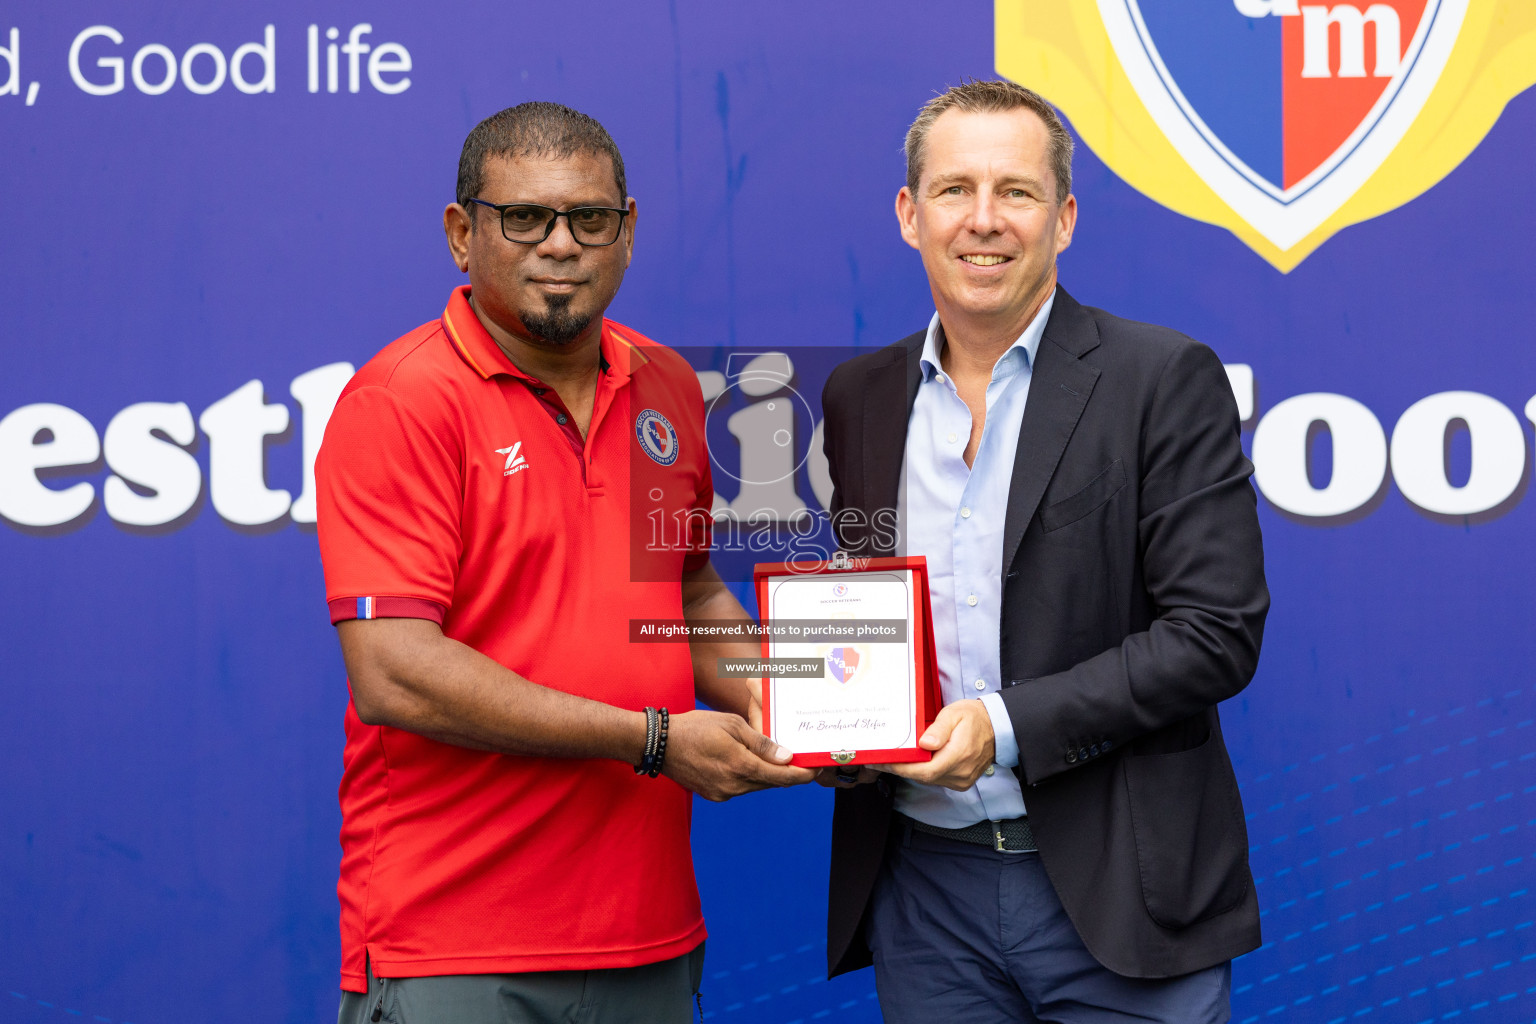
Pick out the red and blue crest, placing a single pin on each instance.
(1282, 120)
(1286, 91)
(842, 662)
(657, 436)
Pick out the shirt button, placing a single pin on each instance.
(980, 684)
(991, 770)
(965, 513)
(953, 438)
(971, 600)
(939, 377)
(560, 419)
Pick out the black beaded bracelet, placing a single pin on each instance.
(661, 743)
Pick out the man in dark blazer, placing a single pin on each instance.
(1075, 850)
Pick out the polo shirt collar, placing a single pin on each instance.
(620, 355)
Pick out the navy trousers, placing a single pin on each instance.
(967, 934)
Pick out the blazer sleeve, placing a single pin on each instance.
(1203, 568)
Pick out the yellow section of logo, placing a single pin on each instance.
(1092, 58)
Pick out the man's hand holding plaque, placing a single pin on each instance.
(962, 744)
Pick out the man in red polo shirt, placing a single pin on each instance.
(515, 798)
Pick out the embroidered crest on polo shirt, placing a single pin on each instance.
(657, 436)
(516, 463)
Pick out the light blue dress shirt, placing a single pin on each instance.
(954, 515)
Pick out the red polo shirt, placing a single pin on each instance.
(454, 487)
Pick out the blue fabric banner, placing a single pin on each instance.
(214, 213)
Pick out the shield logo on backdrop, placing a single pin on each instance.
(842, 662)
(1282, 120)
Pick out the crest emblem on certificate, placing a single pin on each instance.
(842, 663)
(1283, 121)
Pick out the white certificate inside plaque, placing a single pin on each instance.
(866, 699)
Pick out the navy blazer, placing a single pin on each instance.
(1133, 602)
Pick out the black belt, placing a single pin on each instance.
(1012, 835)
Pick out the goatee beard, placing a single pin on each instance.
(556, 325)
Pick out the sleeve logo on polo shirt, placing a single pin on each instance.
(515, 461)
(657, 436)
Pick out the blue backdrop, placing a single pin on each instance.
(173, 691)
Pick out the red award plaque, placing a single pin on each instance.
(867, 621)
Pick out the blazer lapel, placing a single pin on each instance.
(1058, 391)
(890, 390)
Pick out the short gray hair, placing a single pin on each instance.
(991, 97)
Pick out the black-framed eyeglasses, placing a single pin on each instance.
(531, 224)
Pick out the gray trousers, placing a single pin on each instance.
(660, 993)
